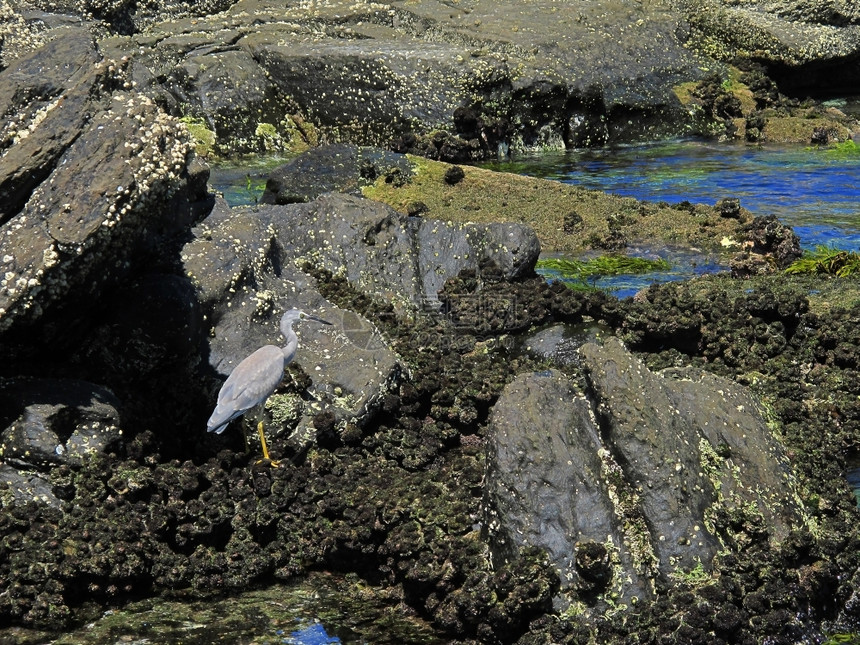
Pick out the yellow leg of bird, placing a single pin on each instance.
(266, 458)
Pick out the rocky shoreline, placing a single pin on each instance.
(676, 475)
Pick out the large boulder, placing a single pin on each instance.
(93, 178)
(810, 46)
(249, 265)
(98, 189)
(632, 477)
(489, 72)
(386, 253)
(52, 421)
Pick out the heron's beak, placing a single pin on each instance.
(319, 320)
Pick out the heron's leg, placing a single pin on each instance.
(245, 439)
(266, 458)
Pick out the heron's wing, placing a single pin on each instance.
(250, 384)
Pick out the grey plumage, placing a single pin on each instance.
(254, 379)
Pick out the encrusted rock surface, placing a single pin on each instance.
(643, 463)
(811, 47)
(74, 127)
(489, 73)
(106, 285)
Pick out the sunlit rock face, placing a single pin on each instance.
(632, 476)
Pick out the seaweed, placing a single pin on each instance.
(826, 260)
(581, 275)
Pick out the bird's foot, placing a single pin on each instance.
(266, 459)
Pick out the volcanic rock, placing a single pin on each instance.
(646, 464)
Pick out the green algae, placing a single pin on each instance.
(202, 136)
(581, 274)
(844, 149)
(825, 260)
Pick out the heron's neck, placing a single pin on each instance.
(290, 348)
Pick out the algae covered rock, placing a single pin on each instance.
(648, 465)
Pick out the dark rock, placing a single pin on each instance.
(454, 175)
(111, 190)
(644, 464)
(729, 207)
(21, 488)
(769, 244)
(245, 270)
(453, 84)
(333, 168)
(383, 252)
(52, 421)
(99, 191)
(549, 483)
(51, 87)
(152, 325)
(560, 343)
(669, 430)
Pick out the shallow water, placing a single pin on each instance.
(243, 181)
(320, 609)
(816, 190)
(853, 476)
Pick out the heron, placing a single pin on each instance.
(254, 379)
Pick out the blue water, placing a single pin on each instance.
(815, 190)
(312, 634)
(853, 477)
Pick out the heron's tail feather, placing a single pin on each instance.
(219, 421)
(217, 429)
